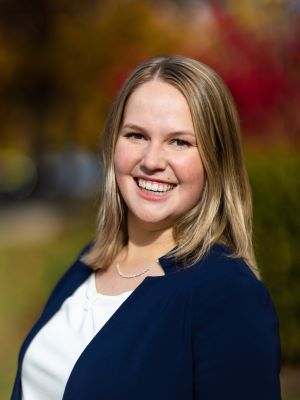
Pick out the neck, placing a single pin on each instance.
(147, 243)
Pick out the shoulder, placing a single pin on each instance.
(71, 279)
(219, 270)
(77, 267)
(224, 285)
(219, 262)
(234, 328)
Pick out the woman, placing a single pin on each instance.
(166, 302)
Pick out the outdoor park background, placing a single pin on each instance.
(61, 64)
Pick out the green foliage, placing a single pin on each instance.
(275, 180)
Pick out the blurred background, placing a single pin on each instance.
(61, 65)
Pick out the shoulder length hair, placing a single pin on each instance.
(224, 212)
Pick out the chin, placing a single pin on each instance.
(154, 220)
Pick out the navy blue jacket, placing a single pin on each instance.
(208, 332)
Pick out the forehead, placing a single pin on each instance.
(158, 102)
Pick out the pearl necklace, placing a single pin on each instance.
(120, 273)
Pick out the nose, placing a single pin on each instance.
(154, 158)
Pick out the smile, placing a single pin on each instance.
(157, 187)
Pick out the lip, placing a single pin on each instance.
(154, 180)
(152, 196)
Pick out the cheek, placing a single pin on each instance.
(190, 171)
(125, 158)
(120, 159)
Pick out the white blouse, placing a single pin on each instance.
(53, 352)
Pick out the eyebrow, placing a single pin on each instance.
(143, 130)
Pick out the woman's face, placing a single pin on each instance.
(158, 168)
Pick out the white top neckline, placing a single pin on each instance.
(92, 292)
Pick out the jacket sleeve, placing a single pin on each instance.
(236, 350)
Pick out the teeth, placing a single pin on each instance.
(154, 187)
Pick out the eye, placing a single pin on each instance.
(180, 143)
(134, 135)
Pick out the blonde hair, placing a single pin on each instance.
(224, 212)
